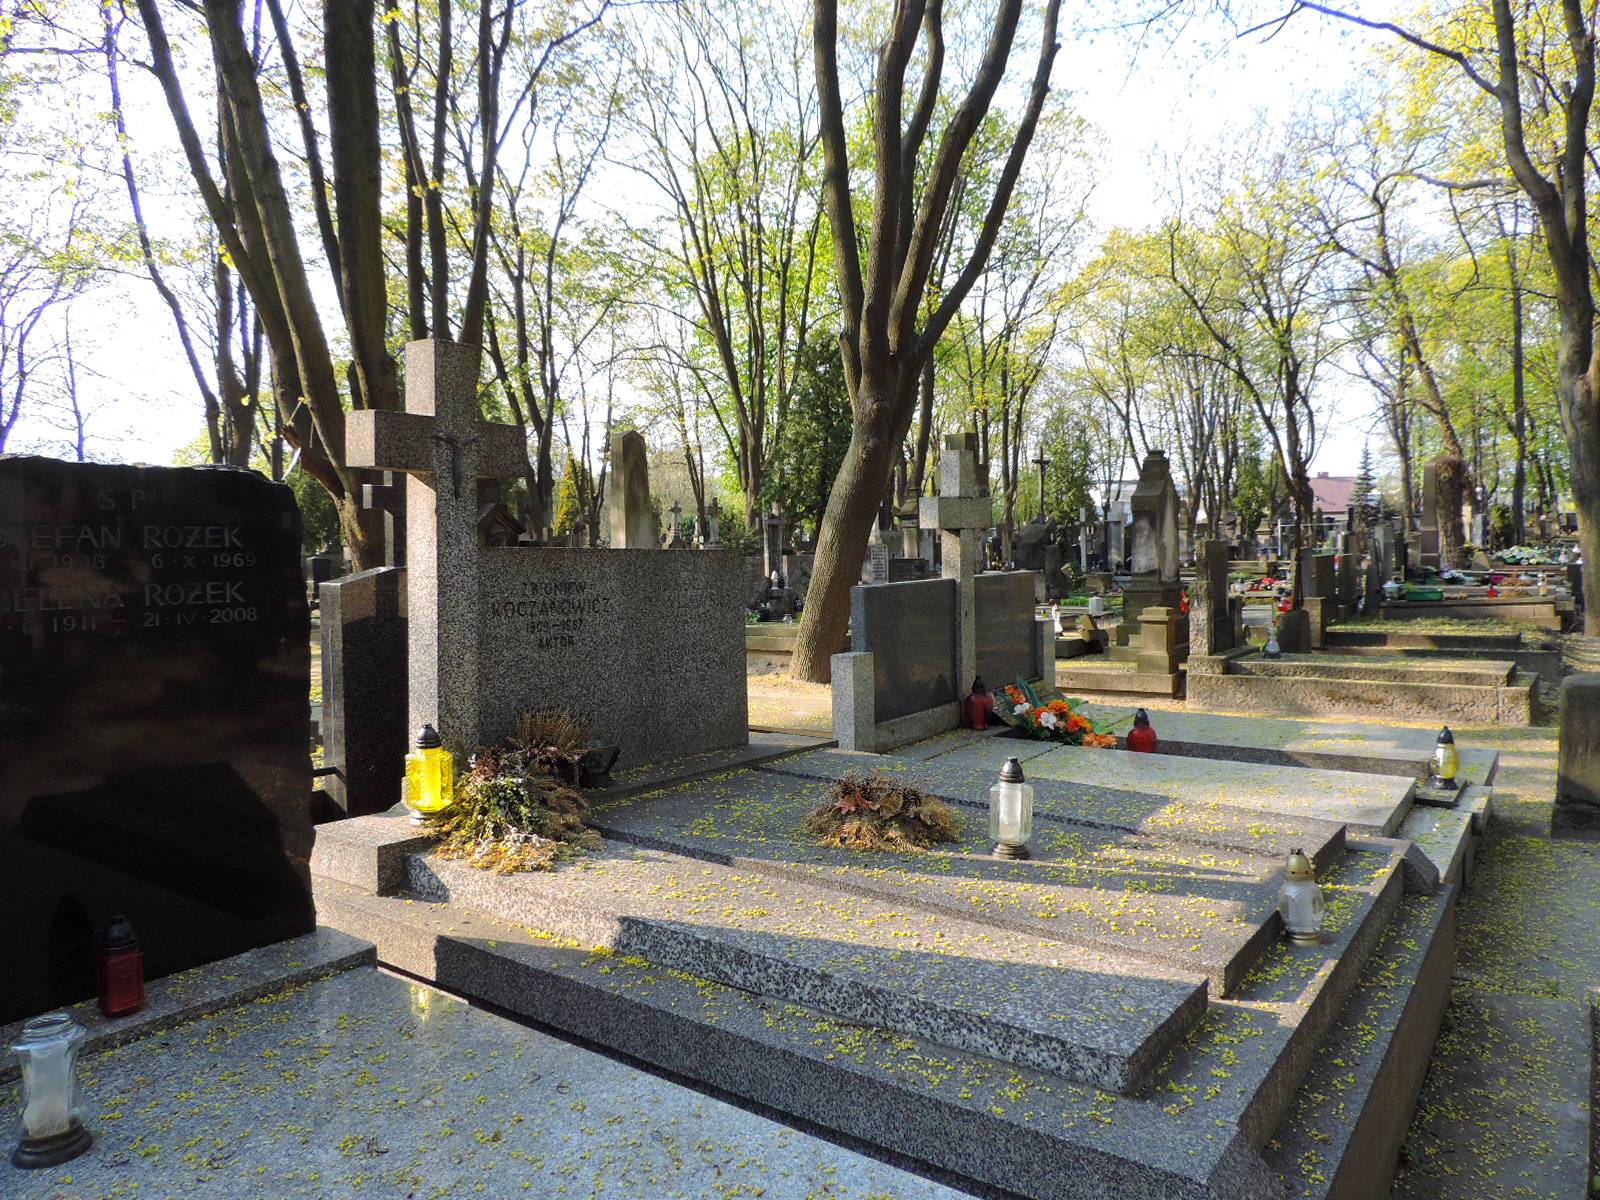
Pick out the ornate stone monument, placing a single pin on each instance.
(1153, 548)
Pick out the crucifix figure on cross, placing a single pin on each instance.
(1041, 462)
(444, 446)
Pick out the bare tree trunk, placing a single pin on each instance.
(845, 526)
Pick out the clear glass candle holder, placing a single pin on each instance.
(52, 1114)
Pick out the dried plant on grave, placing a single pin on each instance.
(553, 740)
(511, 814)
(879, 813)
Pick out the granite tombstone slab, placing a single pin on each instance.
(648, 647)
(910, 629)
(154, 718)
(364, 731)
(1006, 627)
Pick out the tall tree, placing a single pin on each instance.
(1555, 53)
(725, 107)
(256, 224)
(883, 277)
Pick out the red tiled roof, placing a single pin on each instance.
(1333, 493)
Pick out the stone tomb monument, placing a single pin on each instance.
(1212, 623)
(154, 719)
(629, 498)
(1154, 550)
(365, 730)
(917, 646)
(648, 645)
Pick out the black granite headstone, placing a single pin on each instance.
(154, 687)
(910, 628)
(1005, 620)
(363, 619)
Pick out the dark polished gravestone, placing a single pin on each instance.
(364, 734)
(1007, 638)
(910, 629)
(154, 689)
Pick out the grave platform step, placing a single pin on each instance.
(1099, 674)
(1001, 1126)
(1228, 804)
(1450, 837)
(1086, 1015)
(1196, 1130)
(1341, 1136)
(1244, 689)
(1377, 668)
(1193, 905)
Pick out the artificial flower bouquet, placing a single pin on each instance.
(1020, 707)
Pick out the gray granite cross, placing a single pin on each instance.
(388, 497)
(444, 446)
(958, 513)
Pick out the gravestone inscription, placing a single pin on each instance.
(154, 718)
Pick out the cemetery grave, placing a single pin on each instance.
(1184, 1047)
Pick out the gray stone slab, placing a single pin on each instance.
(1480, 672)
(1342, 1134)
(1363, 746)
(367, 852)
(763, 746)
(1230, 1078)
(1371, 698)
(910, 630)
(1577, 805)
(369, 1083)
(1188, 905)
(963, 776)
(649, 647)
(1372, 803)
(199, 991)
(1001, 1125)
(1005, 626)
(1084, 1015)
(364, 734)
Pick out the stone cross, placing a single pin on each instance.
(388, 496)
(958, 513)
(444, 446)
(672, 528)
(1041, 462)
(771, 541)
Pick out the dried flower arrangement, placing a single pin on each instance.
(879, 813)
(513, 811)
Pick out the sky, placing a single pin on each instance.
(1149, 107)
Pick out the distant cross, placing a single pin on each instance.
(444, 446)
(1041, 462)
(672, 530)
